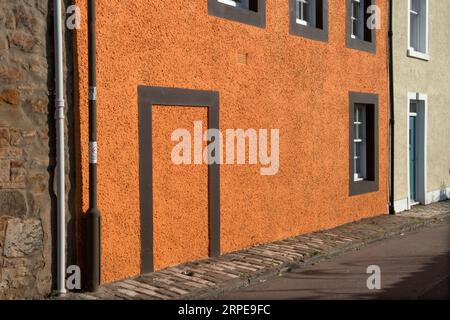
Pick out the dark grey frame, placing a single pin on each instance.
(147, 97)
(305, 31)
(253, 18)
(366, 186)
(358, 44)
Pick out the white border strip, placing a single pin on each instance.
(438, 195)
(401, 205)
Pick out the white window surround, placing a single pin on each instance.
(306, 12)
(422, 32)
(422, 114)
(419, 55)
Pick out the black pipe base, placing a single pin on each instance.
(92, 276)
(392, 210)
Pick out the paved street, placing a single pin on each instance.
(413, 266)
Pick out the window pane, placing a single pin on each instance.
(358, 131)
(356, 18)
(358, 150)
(243, 3)
(253, 5)
(358, 167)
(359, 113)
(413, 107)
(355, 28)
(414, 31)
(303, 7)
(305, 10)
(359, 141)
(418, 25)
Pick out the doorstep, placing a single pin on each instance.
(212, 277)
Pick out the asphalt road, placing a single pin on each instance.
(413, 266)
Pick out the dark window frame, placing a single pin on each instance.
(147, 98)
(314, 33)
(221, 10)
(358, 44)
(372, 182)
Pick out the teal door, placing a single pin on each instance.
(412, 157)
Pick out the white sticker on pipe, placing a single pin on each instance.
(92, 93)
(93, 152)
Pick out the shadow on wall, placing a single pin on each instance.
(443, 193)
(70, 158)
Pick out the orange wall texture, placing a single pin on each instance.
(180, 192)
(294, 84)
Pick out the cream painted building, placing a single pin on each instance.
(421, 58)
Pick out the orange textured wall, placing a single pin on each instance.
(180, 193)
(288, 82)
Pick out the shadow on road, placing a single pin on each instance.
(416, 266)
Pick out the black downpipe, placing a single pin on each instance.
(93, 215)
(392, 112)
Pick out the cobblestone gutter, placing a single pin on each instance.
(211, 277)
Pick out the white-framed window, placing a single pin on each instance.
(357, 19)
(363, 143)
(244, 4)
(418, 28)
(359, 34)
(360, 143)
(306, 12)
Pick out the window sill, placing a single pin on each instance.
(363, 187)
(361, 45)
(418, 55)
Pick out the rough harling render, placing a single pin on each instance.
(25, 196)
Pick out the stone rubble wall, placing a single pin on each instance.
(26, 156)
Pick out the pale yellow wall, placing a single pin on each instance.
(429, 77)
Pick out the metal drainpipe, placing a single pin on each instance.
(93, 215)
(392, 113)
(60, 152)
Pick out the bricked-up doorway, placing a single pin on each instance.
(173, 230)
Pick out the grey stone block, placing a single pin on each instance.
(23, 237)
(12, 204)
